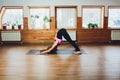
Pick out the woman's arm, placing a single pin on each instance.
(55, 44)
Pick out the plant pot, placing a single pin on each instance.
(4, 27)
(19, 27)
(13, 27)
(93, 26)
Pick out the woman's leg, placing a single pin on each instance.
(64, 33)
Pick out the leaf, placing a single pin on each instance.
(36, 16)
(45, 18)
(90, 25)
(32, 16)
(96, 25)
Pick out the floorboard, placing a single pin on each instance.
(101, 62)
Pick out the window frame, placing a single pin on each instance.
(2, 11)
(76, 10)
(102, 9)
(36, 7)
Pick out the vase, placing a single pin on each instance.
(4, 27)
(19, 27)
(44, 26)
(13, 27)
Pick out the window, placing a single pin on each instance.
(39, 18)
(12, 16)
(114, 17)
(66, 17)
(92, 15)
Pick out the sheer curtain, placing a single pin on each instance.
(66, 18)
(12, 16)
(114, 18)
(36, 18)
(91, 15)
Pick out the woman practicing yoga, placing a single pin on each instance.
(58, 41)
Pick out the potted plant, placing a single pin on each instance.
(5, 25)
(45, 19)
(19, 26)
(33, 19)
(95, 25)
(13, 26)
(91, 25)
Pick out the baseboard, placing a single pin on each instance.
(115, 41)
(11, 42)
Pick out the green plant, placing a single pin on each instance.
(33, 19)
(96, 25)
(13, 26)
(45, 19)
(91, 25)
(19, 24)
(34, 16)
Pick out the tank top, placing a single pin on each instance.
(59, 40)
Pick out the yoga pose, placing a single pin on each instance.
(58, 41)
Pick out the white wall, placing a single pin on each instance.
(53, 3)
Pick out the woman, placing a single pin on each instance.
(58, 41)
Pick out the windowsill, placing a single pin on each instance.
(67, 28)
(9, 30)
(114, 28)
(92, 29)
(38, 29)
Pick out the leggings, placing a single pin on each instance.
(64, 33)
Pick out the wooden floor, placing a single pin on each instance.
(101, 62)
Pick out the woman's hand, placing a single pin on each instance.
(55, 44)
(44, 52)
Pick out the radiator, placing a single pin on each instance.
(10, 36)
(115, 35)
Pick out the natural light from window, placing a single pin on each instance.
(66, 18)
(12, 17)
(92, 17)
(114, 18)
(39, 18)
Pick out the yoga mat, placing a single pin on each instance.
(59, 51)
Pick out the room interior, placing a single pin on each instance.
(27, 26)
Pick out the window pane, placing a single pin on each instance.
(114, 18)
(66, 18)
(12, 17)
(91, 16)
(37, 18)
